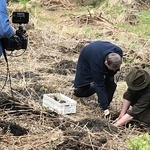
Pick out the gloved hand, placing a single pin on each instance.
(106, 113)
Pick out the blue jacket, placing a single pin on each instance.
(91, 68)
(6, 31)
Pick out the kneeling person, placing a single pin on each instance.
(137, 96)
(97, 64)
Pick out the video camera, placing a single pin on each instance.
(20, 39)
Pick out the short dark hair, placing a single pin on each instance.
(114, 60)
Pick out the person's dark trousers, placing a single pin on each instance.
(88, 90)
(85, 91)
(144, 117)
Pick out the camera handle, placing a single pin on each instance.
(20, 31)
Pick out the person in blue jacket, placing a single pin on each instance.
(6, 30)
(97, 64)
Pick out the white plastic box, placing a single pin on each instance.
(63, 105)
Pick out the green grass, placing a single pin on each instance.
(142, 28)
(141, 142)
(114, 10)
(144, 17)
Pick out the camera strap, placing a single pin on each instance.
(8, 73)
(4, 53)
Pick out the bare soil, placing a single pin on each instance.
(56, 37)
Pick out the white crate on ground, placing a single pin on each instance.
(59, 103)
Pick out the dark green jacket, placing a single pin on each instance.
(140, 100)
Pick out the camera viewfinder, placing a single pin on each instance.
(20, 17)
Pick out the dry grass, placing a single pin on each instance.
(48, 66)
